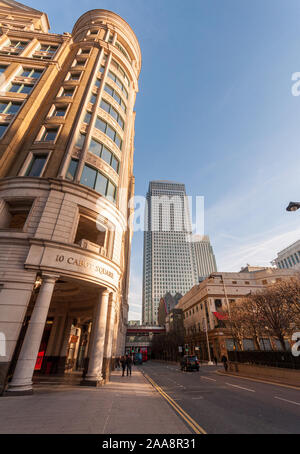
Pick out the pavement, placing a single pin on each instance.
(226, 404)
(125, 405)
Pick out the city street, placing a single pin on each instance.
(228, 405)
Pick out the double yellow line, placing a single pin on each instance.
(190, 421)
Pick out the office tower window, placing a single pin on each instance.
(72, 169)
(45, 52)
(10, 107)
(13, 47)
(109, 131)
(87, 117)
(118, 82)
(121, 71)
(80, 140)
(31, 72)
(97, 181)
(36, 165)
(3, 128)
(124, 52)
(60, 111)
(112, 111)
(68, 92)
(75, 76)
(104, 153)
(20, 88)
(93, 98)
(115, 95)
(49, 134)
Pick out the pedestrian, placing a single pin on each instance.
(128, 364)
(215, 360)
(123, 364)
(117, 362)
(224, 361)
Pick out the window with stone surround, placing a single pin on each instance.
(45, 51)
(13, 47)
(14, 213)
(36, 165)
(89, 230)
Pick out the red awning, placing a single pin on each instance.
(221, 316)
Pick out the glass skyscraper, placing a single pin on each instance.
(169, 264)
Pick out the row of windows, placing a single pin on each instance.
(113, 77)
(90, 177)
(100, 150)
(9, 107)
(94, 179)
(113, 112)
(121, 71)
(12, 107)
(124, 52)
(290, 261)
(115, 95)
(104, 153)
(16, 47)
(109, 131)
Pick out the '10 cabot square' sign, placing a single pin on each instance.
(86, 264)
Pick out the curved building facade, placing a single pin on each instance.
(66, 169)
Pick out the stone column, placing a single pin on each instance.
(107, 361)
(94, 373)
(22, 379)
(65, 346)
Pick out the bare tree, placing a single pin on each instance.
(275, 309)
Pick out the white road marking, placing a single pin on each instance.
(207, 378)
(240, 387)
(197, 398)
(290, 401)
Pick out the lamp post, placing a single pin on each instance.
(213, 275)
(210, 363)
(293, 206)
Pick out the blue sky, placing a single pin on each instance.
(215, 111)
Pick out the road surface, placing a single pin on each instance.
(228, 405)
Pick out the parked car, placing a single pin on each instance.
(189, 363)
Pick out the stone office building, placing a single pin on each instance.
(207, 305)
(66, 176)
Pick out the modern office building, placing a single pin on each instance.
(204, 256)
(289, 258)
(66, 169)
(169, 264)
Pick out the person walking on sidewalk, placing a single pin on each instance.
(128, 364)
(224, 361)
(117, 362)
(123, 364)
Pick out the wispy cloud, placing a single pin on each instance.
(259, 250)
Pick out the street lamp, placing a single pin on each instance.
(293, 206)
(220, 276)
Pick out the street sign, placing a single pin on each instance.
(180, 349)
